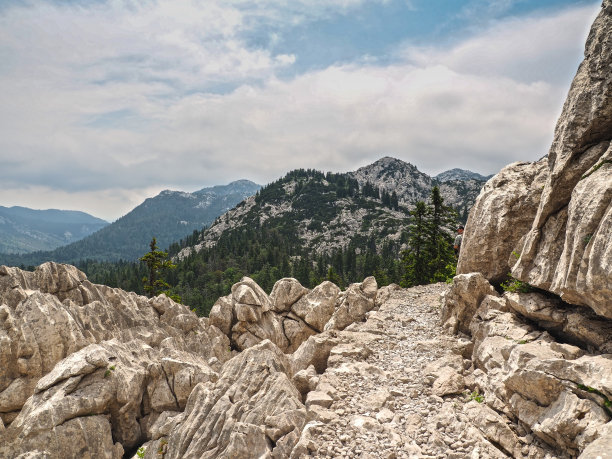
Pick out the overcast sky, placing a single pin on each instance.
(105, 103)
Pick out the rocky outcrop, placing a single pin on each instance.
(550, 226)
(86, 367)
(53, 312)
(543, 357)
(95, 371)
(528, 366)
(502, 214)
(292, 313)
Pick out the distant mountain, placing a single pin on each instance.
(169, 216)
(460, 174)
(24, 230)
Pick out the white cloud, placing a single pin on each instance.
(106, 105)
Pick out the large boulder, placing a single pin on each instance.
(253, 410)
(501, 215)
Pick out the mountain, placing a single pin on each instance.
(169, 216)
(412, 185)
(320, 212)
(327, 212)
(460, 174)
(24, 230)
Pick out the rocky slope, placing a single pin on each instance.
(24, 230)
(89, 371)
(459, 188)
(169, 216)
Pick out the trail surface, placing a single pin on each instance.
(377, 397)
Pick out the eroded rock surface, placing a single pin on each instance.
(526, 369)
(292, 313)
(550, 222)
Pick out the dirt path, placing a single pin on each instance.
(375, 400)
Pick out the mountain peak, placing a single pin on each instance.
(460, 174)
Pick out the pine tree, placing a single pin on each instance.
(156, 261)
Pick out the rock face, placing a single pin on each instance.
(560, 391)
(502, 214)
(544, 357)
(557, 219)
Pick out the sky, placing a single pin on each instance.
(107, 102)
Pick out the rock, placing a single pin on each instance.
(306, 380)
(493, 427)
(568, 248)
(317, 307)
(222, 314)
(578, 325)
(448, 382)
(463, 299)
(314, 351)
(501, 215)
(285, 293)
(251, 410)
(601, 447)
(353, 305)
(384, 293)
(247, 292)
(54, 312)
(318, 398)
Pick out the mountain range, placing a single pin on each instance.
(326, 212)
(322, 219)
(169, 216)
(24, 230)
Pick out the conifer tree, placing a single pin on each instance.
(156, 261)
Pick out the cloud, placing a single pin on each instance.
(106, 104)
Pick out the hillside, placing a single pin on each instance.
(393, 175)
(329, 212)
(169, 216)
(24, 230)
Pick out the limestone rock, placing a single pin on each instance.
(448, 382)
(53, 312)
(317, 307)
(353, 304)
(285, 293)
(568, 247)
(502, 213)
(251, 410)
(463, 299)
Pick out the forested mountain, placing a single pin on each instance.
(314, 226)
(24, 230)
(169, 216)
